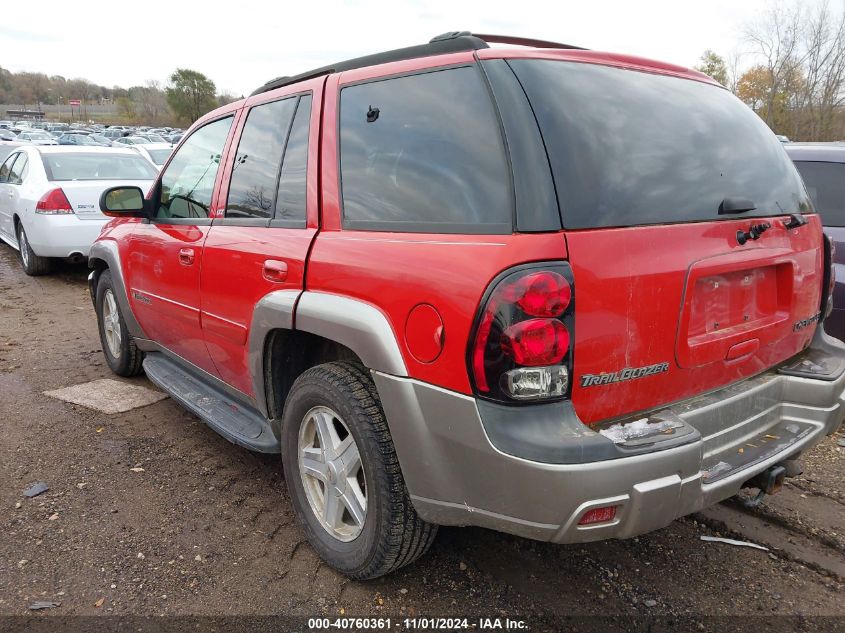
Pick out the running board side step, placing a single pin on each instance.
(239, 424)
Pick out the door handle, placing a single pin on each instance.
(275, 270)
(186, 256)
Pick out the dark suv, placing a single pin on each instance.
(822, 165)
(565, 294)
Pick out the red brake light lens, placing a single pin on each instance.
(54, 202)
(544, 294)
(536, 342)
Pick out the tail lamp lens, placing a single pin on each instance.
(544, 294)
(54, 202)
(830, 257)
(536, 342)
(522, 344)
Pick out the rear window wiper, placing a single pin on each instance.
(736, 205)
(795, 220)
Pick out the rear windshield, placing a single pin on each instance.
(630, 148)
(159, 156)
(826, 186)
(100, 166)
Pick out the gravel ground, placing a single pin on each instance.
(206, 528)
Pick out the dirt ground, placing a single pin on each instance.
(207, 528)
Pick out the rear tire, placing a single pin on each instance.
(122, 355)
(32, 264)
(391, 533)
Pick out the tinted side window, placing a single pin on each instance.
(19, 170)
(188, 182)
(423, 153)
(826, 185)
(252, 187)
(290, 197)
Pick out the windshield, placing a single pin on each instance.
(40, 136)
(100, 166)
(630, 148)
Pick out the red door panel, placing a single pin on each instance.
(234, 280)
(163, 273)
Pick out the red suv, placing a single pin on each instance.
(564, 294)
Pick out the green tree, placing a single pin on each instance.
(714, 66)
(190, 94)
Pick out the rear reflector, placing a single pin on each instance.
(598, 515)
(54, 202)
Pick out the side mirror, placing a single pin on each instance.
(122, 202)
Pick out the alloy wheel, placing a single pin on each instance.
(332, 474)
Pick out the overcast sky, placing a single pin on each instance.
(242, 44)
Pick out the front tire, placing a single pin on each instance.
(344, 477)
(32, 264)
(122, 355)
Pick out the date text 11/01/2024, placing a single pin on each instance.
(417, 623)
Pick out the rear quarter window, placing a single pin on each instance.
(629, 148)
(423, 153)
(826, 185)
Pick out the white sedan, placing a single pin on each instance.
(49, 198)
(37, 137)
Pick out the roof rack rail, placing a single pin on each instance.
(450, 42)
(525, 41)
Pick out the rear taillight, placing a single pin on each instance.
(54, 202)
(829, 278)
(521, 349)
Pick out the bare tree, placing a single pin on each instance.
(150, 101)
(823, 70)
(776, 39)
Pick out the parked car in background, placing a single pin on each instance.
(175, 138)
(113, 134)
(37, 137)
(7, 135)
(822, 166)
(74, 138)
(99, 139)
(49, 199)
(156, 153)
(7, 147)
(565, 294)
(132, 140)
(152, 138)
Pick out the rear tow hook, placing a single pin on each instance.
(769, 482)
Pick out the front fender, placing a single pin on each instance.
(105, 253)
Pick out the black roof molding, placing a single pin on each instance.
(525, 41)
(451, 42)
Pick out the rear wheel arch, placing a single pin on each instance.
(290, 353)
(320, 327)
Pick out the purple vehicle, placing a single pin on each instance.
(822, 166)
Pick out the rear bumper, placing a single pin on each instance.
(62, 235)
(462, 470)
